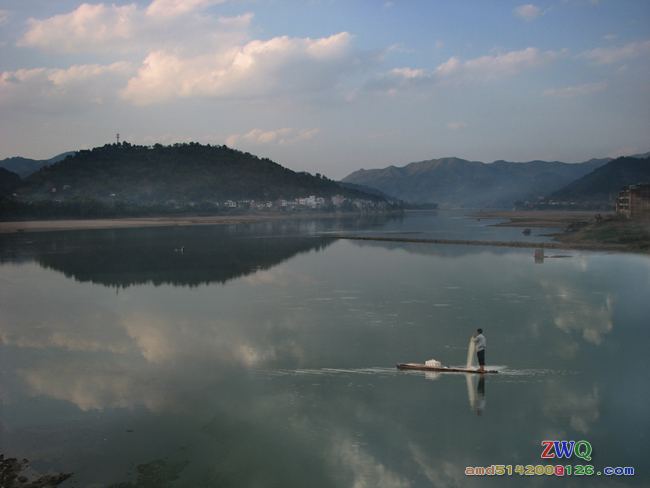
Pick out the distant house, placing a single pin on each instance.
(338, 200)
(634, 201)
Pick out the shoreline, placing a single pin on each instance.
(552, 219)
(582, 239)
(583, 230)
(135, 222)
(586, 246)
(540, 218)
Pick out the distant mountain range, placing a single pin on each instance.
(25, 166)
(454, 182)
(193, 172)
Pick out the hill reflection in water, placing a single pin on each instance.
(180, 256)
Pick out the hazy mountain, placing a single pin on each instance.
(604, 182)
(458, 182)
(25, 166)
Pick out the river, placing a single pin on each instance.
(263, 355)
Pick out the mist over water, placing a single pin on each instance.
(265, 356)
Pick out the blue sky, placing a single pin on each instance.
(329, 86)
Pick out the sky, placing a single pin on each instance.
(329, 86)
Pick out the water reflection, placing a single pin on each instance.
(159, 473)
(476, 392)
(182, 256)
(127, 257)
(285, 374)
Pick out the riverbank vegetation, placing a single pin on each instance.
(582, 228)
(632, 235)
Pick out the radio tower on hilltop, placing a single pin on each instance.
(118, 139)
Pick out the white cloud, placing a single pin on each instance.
(276, 137)
(455, 72)
(601, 56)
(591, 2)
(492, 67)
(396, 80)
(302, 135)
(528, 12)
(98, 28)
(89, 27)
(186, 53)
(279, 66)
(174, 8)
(574, 91)
(4, 17)
(456, 125)
(62, 89)
(409, 73)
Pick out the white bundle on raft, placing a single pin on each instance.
(434, 363)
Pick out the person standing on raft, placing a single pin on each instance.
(479, 340)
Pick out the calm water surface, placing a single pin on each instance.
(264, 356)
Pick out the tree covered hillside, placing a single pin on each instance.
(188, 172)
(458, 182)
(9, 181)
(603, 183)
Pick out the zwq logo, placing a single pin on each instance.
(581, 449)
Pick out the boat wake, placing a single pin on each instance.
(330, 372)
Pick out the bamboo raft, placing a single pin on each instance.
(442, 369)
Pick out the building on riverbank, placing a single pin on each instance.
(634, 201)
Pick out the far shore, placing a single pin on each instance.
(164, 221)
(548, 219)
(560, 219)
(541, 218)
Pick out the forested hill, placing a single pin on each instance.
(188, 172)
(604, 182)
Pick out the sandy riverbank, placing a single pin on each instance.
(586, 232)
(541, 219)
(558, 219)
(576, 246)
(58, 225)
